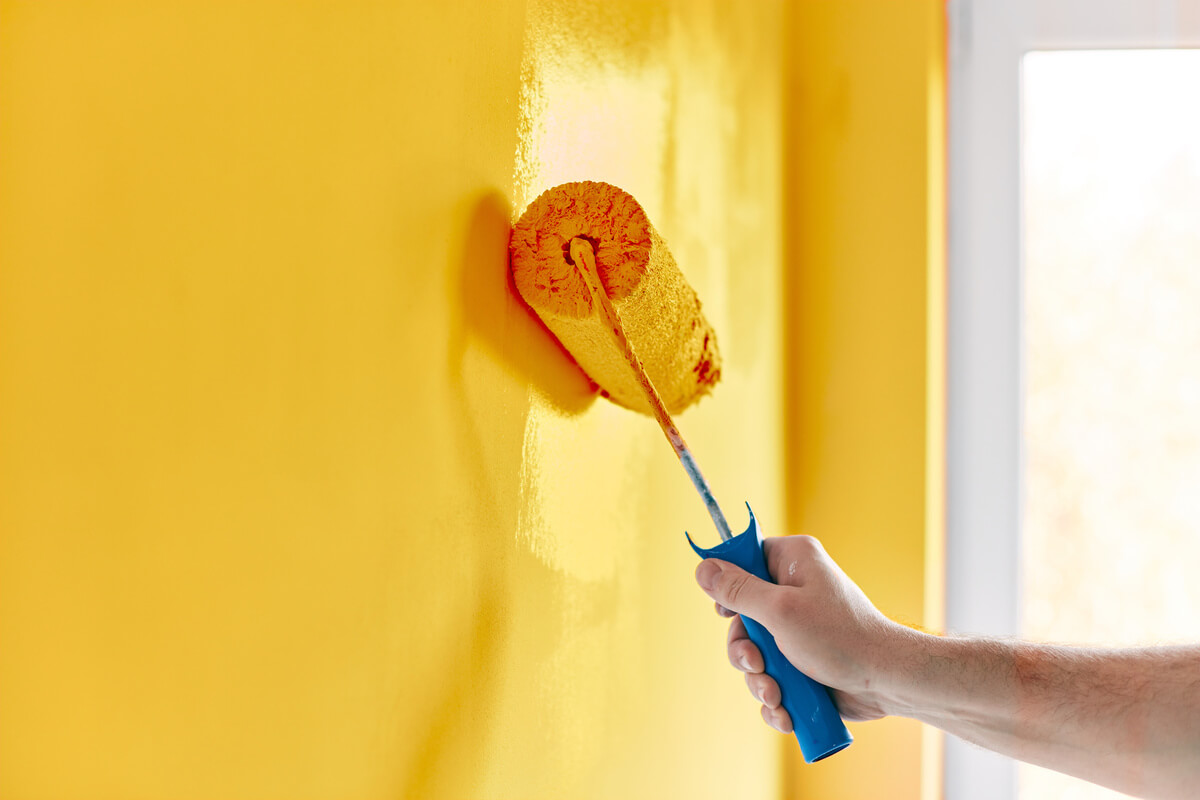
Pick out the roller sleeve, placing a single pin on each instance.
(660, 312)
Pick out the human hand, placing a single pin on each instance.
(822, 622)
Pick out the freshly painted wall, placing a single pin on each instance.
(296, 500)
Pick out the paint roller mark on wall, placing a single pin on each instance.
(559, 454)
(591, 98)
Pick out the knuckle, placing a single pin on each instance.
(808, 546)
(777, 718)
(763, 688)
(735, 587)
(790, 558)
(739, 654)
(781, 606)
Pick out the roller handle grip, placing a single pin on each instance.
(818, 726)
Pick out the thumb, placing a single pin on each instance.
(737, 590)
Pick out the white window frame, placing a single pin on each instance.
(987, 41)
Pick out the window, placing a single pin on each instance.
(1110, 523)
(1073, 350)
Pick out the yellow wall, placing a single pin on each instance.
(866, 220)
(295, 500)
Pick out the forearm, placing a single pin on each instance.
(1127, 719)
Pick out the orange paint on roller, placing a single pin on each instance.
(660, 312)
(581, 250)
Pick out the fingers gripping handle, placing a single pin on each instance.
(818, 726)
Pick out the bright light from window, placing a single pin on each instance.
(1111, 525)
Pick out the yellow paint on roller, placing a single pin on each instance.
(659, 310)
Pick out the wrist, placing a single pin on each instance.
(887, 673)
(903, 677)
(956, 680)
(917, 676)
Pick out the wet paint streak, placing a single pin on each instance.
(652, 99)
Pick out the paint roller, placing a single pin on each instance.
(586, 259)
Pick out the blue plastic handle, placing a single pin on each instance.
(818, 726)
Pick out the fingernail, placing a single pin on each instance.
(745, 662)
(707, 574)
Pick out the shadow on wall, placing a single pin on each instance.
(499, 623)
(515, 335)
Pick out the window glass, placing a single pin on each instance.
(1111, 412)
